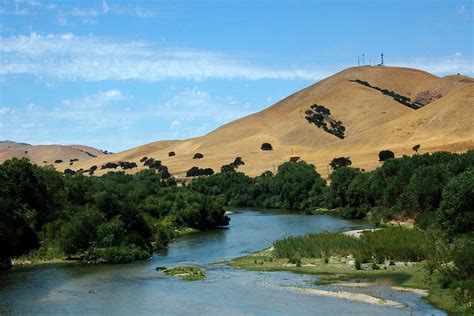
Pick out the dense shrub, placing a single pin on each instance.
(377, 246)
(266, 146)
(340, 162)
(456, 211)
(196, 172)
(198, 156)
(171, 154)
(385, 155)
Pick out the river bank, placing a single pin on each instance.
(342, 271)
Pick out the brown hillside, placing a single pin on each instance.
(372, 121)
(48, 154)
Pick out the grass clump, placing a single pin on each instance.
(395, 244)
(187, 273)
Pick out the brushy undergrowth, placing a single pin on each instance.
(399, 244)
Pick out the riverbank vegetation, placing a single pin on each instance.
(435, 191)
(396, 256)
(120, 218)
(45, 214)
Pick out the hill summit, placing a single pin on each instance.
(355, 113)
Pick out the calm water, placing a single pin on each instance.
(138, 288)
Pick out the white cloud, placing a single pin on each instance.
(447, 65)
(71, 57)
(86, 14)
(89, 119)
(4, 110)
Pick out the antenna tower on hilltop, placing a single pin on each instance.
(358, 61)
(363, 60)
(381, 59)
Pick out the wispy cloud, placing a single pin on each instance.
(91, 118)
(86, 13)
(71, 57)
(455, 63)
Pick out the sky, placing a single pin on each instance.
(118, 74)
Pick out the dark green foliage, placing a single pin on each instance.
(228, 168)
(58, 161)
(196, 172)
(341, 179)
(171, 154)
(69, 172)
(233, 166)
(235, 188)
(198, 156)
(385, 155)
(397, 97)
(80, 232)
(266, 146)
(238, 162)
(156, 164)
(127, 165)
(456, 212)
(340, 162)
(110, 165)
(416, 148)
(113, 218)
(321, 117)
(377, 246)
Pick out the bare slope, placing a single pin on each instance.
(372, 120)
(48, 154)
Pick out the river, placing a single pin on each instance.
(137, 288)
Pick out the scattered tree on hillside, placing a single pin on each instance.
(144, 159)
(228, 168)
(198, 156)
(294, 159)
(238, 162)
(320, 116)
(171, 154)
(58, 161)
(384, 155)
(110, 165)
(196, 171)
(266, 146)
(416, 148)
(340, 162)
(69, 172)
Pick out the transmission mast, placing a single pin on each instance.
(358, 61)
(363, 60)
(381, 59)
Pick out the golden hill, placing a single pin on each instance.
(48, 154)
(362, 98)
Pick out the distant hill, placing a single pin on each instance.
(354, 113)
(49, 154)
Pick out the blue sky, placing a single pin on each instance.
(118, 74)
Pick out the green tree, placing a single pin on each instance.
(456, 211)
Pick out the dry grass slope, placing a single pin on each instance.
(373, 122)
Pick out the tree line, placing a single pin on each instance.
(114, 217)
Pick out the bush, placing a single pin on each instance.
(266, 146)
(340, 162)
(196, 171)
(58, 161)
(171, 154)
(384, 155)
(198, 156)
